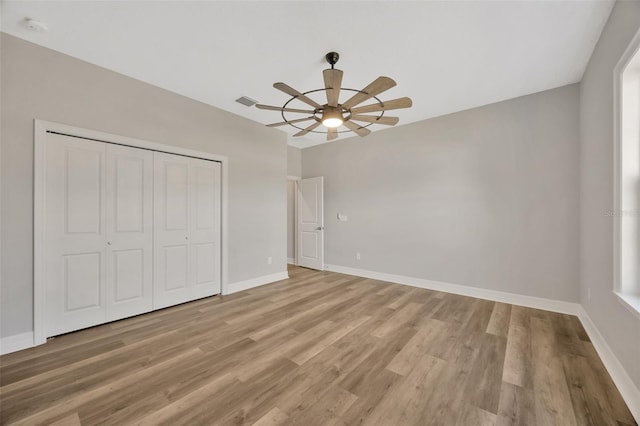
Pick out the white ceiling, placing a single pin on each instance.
(447, 55)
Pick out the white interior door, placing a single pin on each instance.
(75, 264)
(129, 255)
(311, 223)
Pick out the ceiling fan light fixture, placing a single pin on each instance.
(332, 117)
(334, 114)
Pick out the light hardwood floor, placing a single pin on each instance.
(319, 349)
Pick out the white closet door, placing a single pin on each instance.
(127, 231)
(129, 255)
(75, 234)
(171, 230)
(205, 184)
(186, 229)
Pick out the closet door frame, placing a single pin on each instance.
(41, 128)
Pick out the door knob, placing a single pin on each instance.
(108, 243)
(320, 228)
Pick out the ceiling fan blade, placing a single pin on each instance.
(275, 108)
(332, 82)
(361, 131)
(308, 129)
(376, 87)
(293, 92)
(332, 133)
(386, 106)
(388, 121)
(282, 123)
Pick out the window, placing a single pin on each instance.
(626, 212)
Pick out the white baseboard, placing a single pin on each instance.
(256, 282)
(291, 261)
(17, 342)
(629, 391)
(480, 293)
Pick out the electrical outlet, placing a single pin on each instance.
(358, 256)
(269, 260)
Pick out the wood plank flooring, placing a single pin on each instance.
(318, 349)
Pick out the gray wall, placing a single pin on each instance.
(294, 161)
(619, 327)
(486, 197)
(40, 83)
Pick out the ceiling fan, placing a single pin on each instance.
(334, 114)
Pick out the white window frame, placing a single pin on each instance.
(630, 301)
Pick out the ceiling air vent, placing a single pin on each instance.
(246, 101)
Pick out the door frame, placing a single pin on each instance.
(41, 128)
(295, 180)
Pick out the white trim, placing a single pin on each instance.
(480, 293)
(15, 343)
(296, 238)
(630, 393)
(224, 223)
(623, 382)
(631, 302)
(618, 70)
(124, 140)
(256, 282)
(39, 209)
(294, 260)
(41, 127)
(0, 223)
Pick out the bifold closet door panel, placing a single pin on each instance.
(186, 229)
(171, 230)
(74, 250)
(205, 188)
(129, 203)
